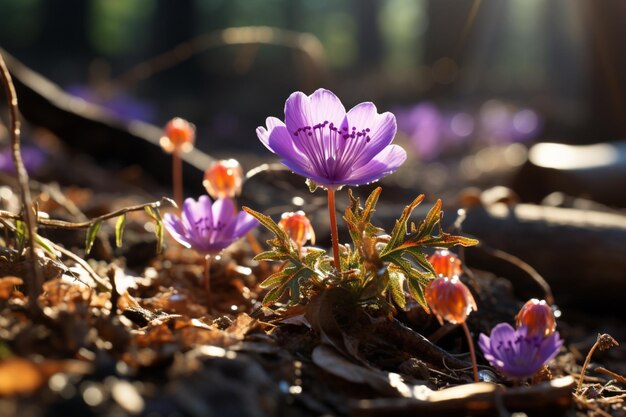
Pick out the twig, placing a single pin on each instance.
(612, 374)
(84, 225)
(101, 284)
(248, 35)
(603, 342)
(34, 287)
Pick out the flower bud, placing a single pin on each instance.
(449, 299)
(298, 227)
(445, 263)
(179, 134)
(223, 178)
(537, 316)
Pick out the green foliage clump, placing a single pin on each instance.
(374, 268)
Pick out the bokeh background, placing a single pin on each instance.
(473, 83)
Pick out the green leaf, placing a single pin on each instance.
(153, 212)
(398, 233)
(272, 255)
(276, 279)
(92, 233)
(273, 295)
(396, 281)
(291, 279)
(416, 289)
(269, 224)
(159, 232)
(311, 184)
(312, 256)
(432, 219)
(119, 230)
(45, 244)
(358, 219)
(21, 235)
(159, 229)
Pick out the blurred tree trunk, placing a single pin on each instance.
(368, 35)
(607, 68)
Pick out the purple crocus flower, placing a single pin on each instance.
(516, 354)
(209, 227)
(322, 142)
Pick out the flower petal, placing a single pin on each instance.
(310, 173)
(223, 210)
(382, 129)
(501, 334)
(381, 165)
(245, 222)
(321, 106)
(282, 144)
(174, 226)
(550, 347)
(297, 111)
(264, 134)
(326, 106)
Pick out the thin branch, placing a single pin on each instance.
(86, 224)
(101, 284)
(36, 283)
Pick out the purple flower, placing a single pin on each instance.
(516, 354)
(119, 104)
(32, 157)
(209, 227)
(322, 142)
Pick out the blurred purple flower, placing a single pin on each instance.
(424, 125)
(209, 227)
(32, 156)
(516, 354)
(322, 142)
(120, 105)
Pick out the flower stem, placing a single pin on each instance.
(333, 228)
(207, 279)
(177, 177)
(584, 368)
(470, 342)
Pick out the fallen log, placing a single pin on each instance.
(579, 252)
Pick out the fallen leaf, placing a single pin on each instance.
(7, 286)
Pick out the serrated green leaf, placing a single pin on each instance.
(292, 281)
(312, 256)
(119, 230)
(399, 231)
(269, 224)
(416, 289)
(420, 258)
(276, 279)
(432, 219)
(92, 233)
(272, 255)
(396, 287)
(273, 295)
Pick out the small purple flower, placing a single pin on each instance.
(322, 142)
(209, 227)
(516, 354)
(32, 157)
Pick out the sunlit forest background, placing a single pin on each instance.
(459, 74)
